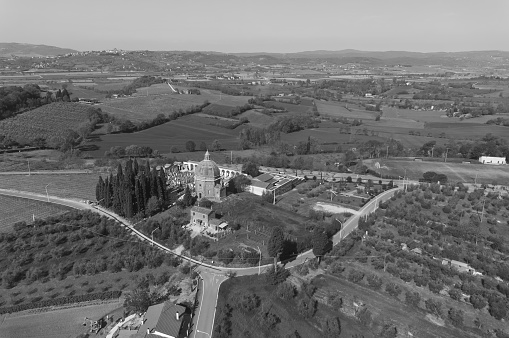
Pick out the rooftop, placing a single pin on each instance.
(202, 210)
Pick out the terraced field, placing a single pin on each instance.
(13, 210)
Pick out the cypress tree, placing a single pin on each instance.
(153, 183)
(139, 198)
(136, 168)
(99, 190)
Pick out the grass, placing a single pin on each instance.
(336, 109)
(286, 311)
(61, 323)
(161, 100)
(48, 121)
(74, 186)
(174, 133)
(257, 119)
(15, 209)
(456, 172)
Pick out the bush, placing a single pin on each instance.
(245, 301)
(455, 294)
(393, 289)
(456, 316)
(434, 307)
(306, 307)
(276, 275)
(331, 327)
(374, 281)
(355, 276)
(478, 301)
(285, 291)
(412, 298)
(435, 286)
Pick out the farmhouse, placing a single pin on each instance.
(166, 320)
(492, 160)
(206, 219)
(457, 265)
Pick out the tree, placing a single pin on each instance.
(393, 289)
(285, 291)
(275, 244)
(306, 307)
(251, 169)
(321, 243)
(216, 146)
(190, 146)
(331, 327)
(412, 298)
(137, 300)
(456, 316)
(434, 307)
(203, 146)
(388, 330)
(478, 301)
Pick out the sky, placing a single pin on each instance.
(259, 25)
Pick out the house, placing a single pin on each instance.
(492, 160)
(459, 266)
(165, 320)
(202, 216)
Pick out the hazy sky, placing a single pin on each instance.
(258, 25)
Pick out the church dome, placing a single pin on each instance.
(207, 168)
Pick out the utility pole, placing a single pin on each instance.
(260, 262)
(274, 196)
(482, 212)
(475, 181)
(28, 167)
(446, 151)
(432, 149)
(47, 196)
(387, 154)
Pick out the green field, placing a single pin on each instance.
(257, 119)
(161, 100)
(336, 109)
(13, 209)
(174, 133)
(74, 186)
(51, 120)
(456, 172)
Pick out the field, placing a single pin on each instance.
(73, 186)
(257, 119)
(335, 109)
(13, 209)
(161, 100)
(456, 172)
(174, 133)
(48, 121)
(327, 135)
(39, 160)
(61, 323)
(289, 318)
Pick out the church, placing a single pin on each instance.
(207, 180)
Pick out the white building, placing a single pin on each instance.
(492, 160)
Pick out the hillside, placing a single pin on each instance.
(51, 121)
(26, 49)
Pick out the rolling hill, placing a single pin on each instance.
(26, 49)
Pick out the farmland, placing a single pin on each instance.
(456, 172)
(174, 133)
(60, 323)
(15, 209)
(161, 100)
(51, 120)
(73, 186)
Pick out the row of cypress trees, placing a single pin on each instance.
(133, 190)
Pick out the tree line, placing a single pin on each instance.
(133, 190)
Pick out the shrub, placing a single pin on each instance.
(393, 289)
(374, 281)
(434, 307)
(355, 276)
(478, 301)
(245, 301)
(331, 327)
(364, 317)
(285, 291)
(412, 298)
(456, 316)
(435, 286)
(455, 294)
(306, 307)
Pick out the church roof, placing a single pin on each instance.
(207, 168)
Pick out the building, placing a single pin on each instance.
(202, 216)
(492, 160)
(207, 180)
(165, 320)
(272, 183)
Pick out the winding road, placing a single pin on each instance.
(211, 276)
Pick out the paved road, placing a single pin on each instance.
(211, 276)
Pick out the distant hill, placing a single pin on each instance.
(25, 49)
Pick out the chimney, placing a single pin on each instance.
(148, 330)
(177, 316)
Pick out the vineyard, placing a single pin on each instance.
(74, 186)
(51, 120)
(15, 210)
